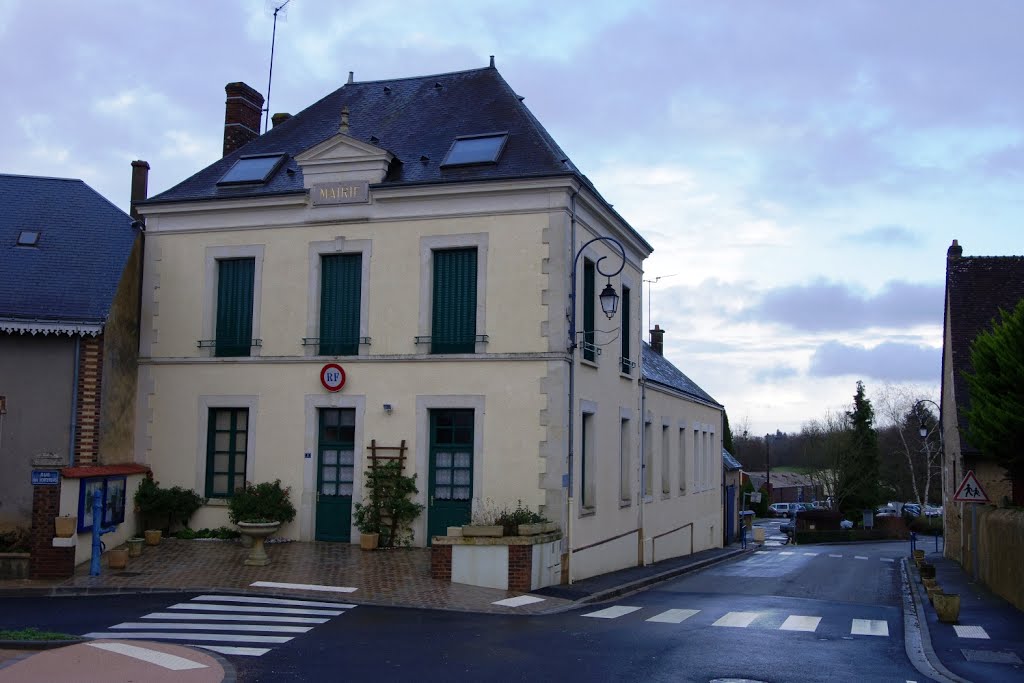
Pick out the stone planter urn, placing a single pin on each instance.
(258, 532)
(117, 558)
(947, 606)
(153, 536)
(135, 546)
(66, 526)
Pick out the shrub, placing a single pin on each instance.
(261, 503)
(823, 520)
(387, 509)
(511, 519)
(175, 505)
(14, 541)
(929, 526)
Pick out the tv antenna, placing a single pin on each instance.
(277, 8)
(649, 283)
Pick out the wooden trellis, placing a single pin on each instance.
(375, 456)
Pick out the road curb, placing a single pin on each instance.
(916, 636)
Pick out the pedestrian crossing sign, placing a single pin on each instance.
(970, 490)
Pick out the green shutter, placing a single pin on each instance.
(235, 278)
(588, 310)
(454, 303)
(341, 277)
(626, 332)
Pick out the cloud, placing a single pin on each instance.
(884, 235)
(829, 306)
(777, 373)
(890, 361)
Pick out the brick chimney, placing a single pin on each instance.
(279, 118)
(242, 114)
(140, 185)
(658, 340)
(954, 252)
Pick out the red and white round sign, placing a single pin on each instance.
(332, 376)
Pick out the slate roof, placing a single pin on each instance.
(660, 371)
(83, 246)
(976, 288)
(731, 463)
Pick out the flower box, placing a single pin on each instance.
(481, 530)
(537, 528)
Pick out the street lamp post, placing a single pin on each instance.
(609, 304)
(924, 432)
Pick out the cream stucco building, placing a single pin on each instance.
(415, 239)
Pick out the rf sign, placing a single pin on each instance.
(332, 376)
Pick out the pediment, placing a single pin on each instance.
(342, 158)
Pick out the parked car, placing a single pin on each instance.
(911, 510)
(805, 507)
(886, 511)
(932, 511)
(780, 509)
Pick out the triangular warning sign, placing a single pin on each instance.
(970, 490)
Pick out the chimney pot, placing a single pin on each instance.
(351, 76)
(955, 251)
(279, 118)
(242, 113)
(140, 185)
(658, 340)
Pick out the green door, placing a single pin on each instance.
(451, 470)
(335, 468)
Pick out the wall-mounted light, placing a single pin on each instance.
(387, 409)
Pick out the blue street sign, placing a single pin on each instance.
(45, 477)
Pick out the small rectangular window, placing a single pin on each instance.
(648, 462)
(252, 169)
(682, 459)
(28, 238)
(587, 467)
(625, 333)
(666, 478)
(625, 490)
(475, 149)
(589, 349)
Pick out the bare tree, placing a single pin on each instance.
(830, 440)
(902, 412)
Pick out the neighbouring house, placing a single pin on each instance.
(391, 268)
(70, 262)
(732, 492)
(786, 487)
(977, 288)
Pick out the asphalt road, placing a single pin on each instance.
(791, 614)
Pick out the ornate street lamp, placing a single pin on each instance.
(924, 432)
(609, 304)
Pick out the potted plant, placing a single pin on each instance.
(117, 558)
(484, 520)
(151, 503)
(259, 510)
(387, 510)
(524, 522)
(65, 526)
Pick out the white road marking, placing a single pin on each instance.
(785, 552)
(674, 616)
(737, 619)
(304, 587)
(612, 612)
(229, 650)
(859, 557)
(971, 632)
(185, 616)
(218, 637)
(272, 601)
(518, 601)
(270, 628)
(796, 623)
(886, 559)
(242, 608)
(869, 627)
(833, 555)
(761, 552)
(811, 554)
(167, 661)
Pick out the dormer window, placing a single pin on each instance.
(28, 238)
(255, 169)
(475, 149)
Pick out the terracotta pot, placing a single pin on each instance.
(117, 558)
(947, 606)
(931, 593)
(65, 527)
(153, 536)
(135, 546)
(369, 541)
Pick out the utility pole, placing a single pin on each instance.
(768, 463)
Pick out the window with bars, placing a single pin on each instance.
(453, 323)
(226, 447)
(340, 296)
(235, 288)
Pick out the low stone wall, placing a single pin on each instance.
(14, 565)
(1001, 552)
(517, 563)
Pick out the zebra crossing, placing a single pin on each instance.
(756, 619)
(229, 624)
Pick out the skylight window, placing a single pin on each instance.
(28, 238)
(252, 169)
(475, 149)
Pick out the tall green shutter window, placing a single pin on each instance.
(454, 304)
(226, 444)
(588, 311)
(626, 332)
(235, 285)
(340, 294)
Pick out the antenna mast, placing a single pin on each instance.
(649, 283)
(273, 39)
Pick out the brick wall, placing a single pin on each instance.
(45, 561)
(243, 111)
(87, 406)
(441, 562)
(520, 567)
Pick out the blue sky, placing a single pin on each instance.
(800, 167)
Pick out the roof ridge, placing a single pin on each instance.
(417, 78)
(42, 177)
